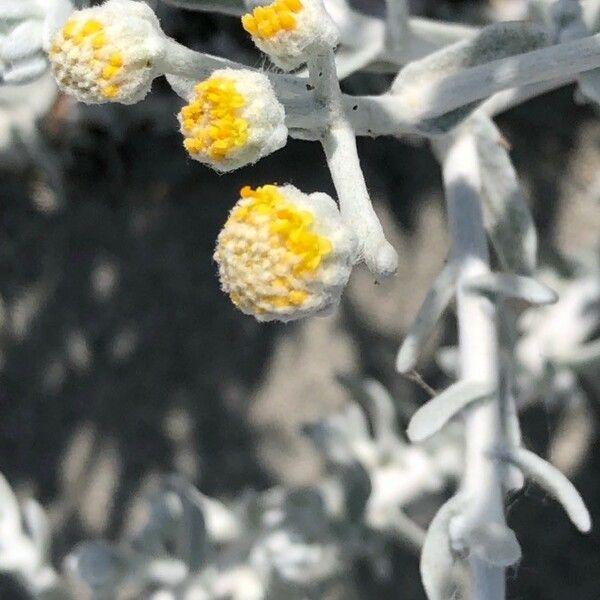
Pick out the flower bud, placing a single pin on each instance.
(233, 119)
(289, 31)
(284, 255)
(108, 53)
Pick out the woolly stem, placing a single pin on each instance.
(538, 66)
(339, 143)
(482, 479)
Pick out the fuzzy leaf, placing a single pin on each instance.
(431, 417)
(38, 527)
(512, 286)
(447, 359)
(439, 566)
(507, 217)
(101, 565)
(21, 9)
(417, 82)
(25, 71)
(586, 355)
(10, 513)
(377, 404)
(433, 307)
(554, 483)
(191, 538)
(23, 41)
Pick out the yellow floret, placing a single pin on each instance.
(103, 68)
(212, 123)
(267, 21)
(269, 253)
(110, 91)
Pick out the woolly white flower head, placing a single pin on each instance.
(233, 119)
(108, 53)
(284, 255)
(290, 30)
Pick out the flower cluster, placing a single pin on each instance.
(290, 30)
(283, 254)
(233, 119)
(108, 53)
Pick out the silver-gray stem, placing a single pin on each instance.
(482, 479)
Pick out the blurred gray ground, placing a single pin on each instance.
(121, 360)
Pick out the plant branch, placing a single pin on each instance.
(482, 480)
(538, 66)
(339, 143)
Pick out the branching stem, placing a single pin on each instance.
(339, 143)
(482, 481)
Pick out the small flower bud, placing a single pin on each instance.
(233, 119)
(289, 31)
(284, 255)
(108, 53)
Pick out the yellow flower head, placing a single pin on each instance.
(108, 53)
(232, 119)
(289, 30)
(283, 254)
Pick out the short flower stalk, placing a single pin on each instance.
(339, 143)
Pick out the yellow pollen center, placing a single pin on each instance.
(267, 21)
(89, 34)
(212, 121)
(269, 253)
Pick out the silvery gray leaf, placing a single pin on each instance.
(417, 82)
(166, 510)
(37, 525)
(10, 513)
(496, 544)
(302, 563)
(447, 360)
(330, 438)
(581, 357)
(191, 542)
(433, 415)
(379, 406)
(357, 488)
(101, 565)
(222, 525)
(431, 310)
(508, 285)
(25, 71)
(589, 85)
(407, 531)
(554, 483)
(358, 424)
(162, 571)
(11, 10)
(507, 217)
(440, 568)
(23, 41)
